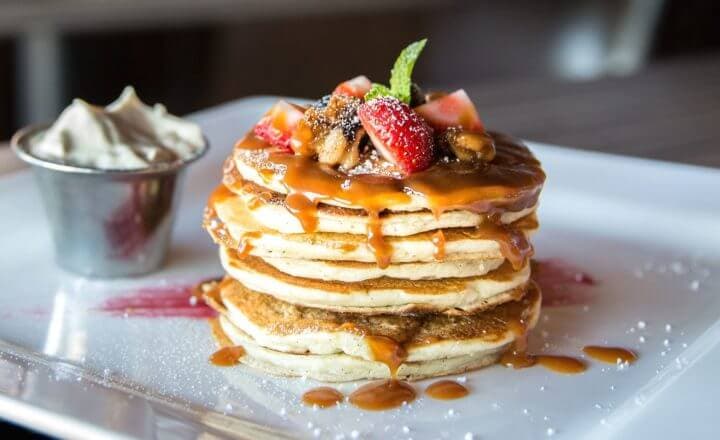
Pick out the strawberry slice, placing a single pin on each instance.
(278, 124)
(398, 133)
(453, 110)
(356, 87)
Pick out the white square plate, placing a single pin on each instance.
(649, 232)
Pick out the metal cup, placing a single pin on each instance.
(106, 223)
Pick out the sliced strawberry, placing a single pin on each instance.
(356, 87)
(453, 110)
(278, 124)
(398, 133)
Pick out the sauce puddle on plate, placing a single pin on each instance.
(610, 355)
(446, 390)
(227, 356)
(386, 394)
(323, 397)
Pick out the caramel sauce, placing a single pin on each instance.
(323, 397)
(246, 245)
(514, 245)
(302, 139)
(376, 241)
(219, 194)
(517, 356)
(561, 364)
(510, 182)
(518, 359)
(446, 390)
(378, 396)
(387, 394)
(438, 240)
(348, 247)
(267, 174)
(304, 209)
(611, 355)
(255, 203)
(227, 356)
(387, 351)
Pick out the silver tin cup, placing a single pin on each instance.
(106, 223)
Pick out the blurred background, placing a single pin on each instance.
(567, 72)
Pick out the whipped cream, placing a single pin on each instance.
(125, 135)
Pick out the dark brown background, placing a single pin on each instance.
(499, 51)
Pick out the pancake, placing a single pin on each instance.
(292, 340)
(230, 223)
(512, 181)
(380, 295)
(340, 367)
(273, 213)
(352, 271)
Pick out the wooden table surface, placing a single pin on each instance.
(669, 111)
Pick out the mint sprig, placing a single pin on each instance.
(376, 91)
(400, 75)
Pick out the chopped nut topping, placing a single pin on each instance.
(468, 146)
(335, 130)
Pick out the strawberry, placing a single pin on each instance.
(356, 87)
(398, 133)
(453, 110)
(278, 124)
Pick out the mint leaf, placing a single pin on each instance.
(377, 91)
(401, 74)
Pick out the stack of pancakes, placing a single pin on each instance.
(328, 283)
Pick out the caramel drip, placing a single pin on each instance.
(227, 356)
(246, 244)
(376, 241)
(378, 396)
(611, 355)
(304, 209)
(438, 240)
(323, 397)
(517, 357)
(219, 195)
(240, 214)
(514, 245)
(387, 351)
(446, 390)
(561, 364)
